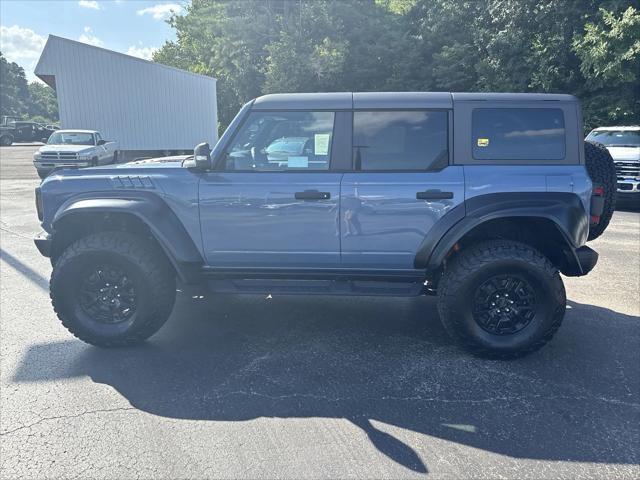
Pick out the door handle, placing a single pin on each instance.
(434, 195)
(312, 195)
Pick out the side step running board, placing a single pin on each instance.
(373, 275)
(320, 281)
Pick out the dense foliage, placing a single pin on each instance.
(589, 48)
(28, 101)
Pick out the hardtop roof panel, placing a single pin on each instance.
(513, 97)
(304, 101)
(395, 100)
(390, 100)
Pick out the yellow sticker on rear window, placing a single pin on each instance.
(483, 142)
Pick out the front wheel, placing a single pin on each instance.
(112, 289)
(501, 299)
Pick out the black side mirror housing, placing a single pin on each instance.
(201, 158)
(101, 142)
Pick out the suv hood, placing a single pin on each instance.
(66, 148)
(147, 163)
(625, 153)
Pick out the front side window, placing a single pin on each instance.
(282, 141)
(400, 140)
(518, 134)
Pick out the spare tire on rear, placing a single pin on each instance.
(602, 172)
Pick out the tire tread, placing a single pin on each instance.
(602, 171)
(160, 281)
(482, 255)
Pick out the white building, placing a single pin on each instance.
(144, 106)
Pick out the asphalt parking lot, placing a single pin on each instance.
(308, 387)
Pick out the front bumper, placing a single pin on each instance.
(49, 166)
(43, 242)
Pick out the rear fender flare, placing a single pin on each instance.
(565, 210)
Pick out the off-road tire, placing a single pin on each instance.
(6, 140)
(148, 270)
(472, 268)
(43, 173)
(602, 171)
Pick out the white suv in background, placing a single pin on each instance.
(623, 144)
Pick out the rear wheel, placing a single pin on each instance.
(602, 172)
(6, 140)
(501, 299)
(112, 289)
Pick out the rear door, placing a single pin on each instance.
(401, 185)
(273, 203)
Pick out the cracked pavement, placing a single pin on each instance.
(310, 387)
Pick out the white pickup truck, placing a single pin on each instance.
(74, 149)
(623, 144)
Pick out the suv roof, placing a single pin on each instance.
(368, 100)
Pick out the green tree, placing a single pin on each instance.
(13, 88)
(256, 47)
(609, 53)
(33, 101)
(588, 48)
(42, 103)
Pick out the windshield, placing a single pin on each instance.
(616, 138)
(71, 138)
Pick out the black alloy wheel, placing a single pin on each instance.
(504, 304)
(108, 295)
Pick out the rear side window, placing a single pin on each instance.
(518, 134)
(400, 140)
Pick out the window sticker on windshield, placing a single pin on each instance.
(483, 142)
(298, 162)
(321, 143)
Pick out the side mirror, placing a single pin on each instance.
(201, 157)
(101, 142)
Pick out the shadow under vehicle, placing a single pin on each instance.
(375, 363)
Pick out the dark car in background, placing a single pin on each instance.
(13, 131)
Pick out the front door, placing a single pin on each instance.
(402, 184)
(274, 202)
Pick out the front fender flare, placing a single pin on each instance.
(153, 212)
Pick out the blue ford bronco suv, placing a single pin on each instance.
(481, 199)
